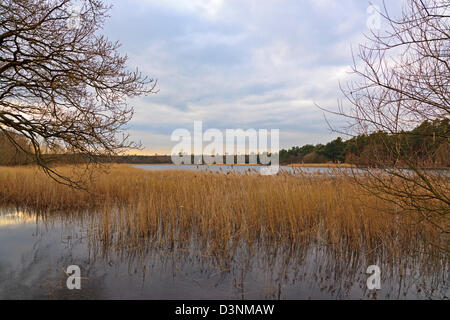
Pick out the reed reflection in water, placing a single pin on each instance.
(35, 247)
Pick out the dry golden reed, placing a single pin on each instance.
(222, 210)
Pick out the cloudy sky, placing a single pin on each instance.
(238, 63)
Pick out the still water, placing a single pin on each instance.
(252, 169)
(36, 250)
(235, 168)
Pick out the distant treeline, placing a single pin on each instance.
(12, 153)
(429, 142)
(142, 159)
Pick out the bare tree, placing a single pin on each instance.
(401, 81)
(63, 86)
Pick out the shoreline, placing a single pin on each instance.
(293, 165)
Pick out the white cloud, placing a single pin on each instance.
(210, 9)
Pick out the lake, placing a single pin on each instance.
(235, 168)
(256, 169)
(35, 250)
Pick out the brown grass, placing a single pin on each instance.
(222, 211)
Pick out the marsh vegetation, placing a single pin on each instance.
(296, 229)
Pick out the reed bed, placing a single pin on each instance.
(222, 212)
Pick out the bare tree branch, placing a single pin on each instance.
(64, 87)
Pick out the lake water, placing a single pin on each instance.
(35, 250)
(255, 169)
(235, 168)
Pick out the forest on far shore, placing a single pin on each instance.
(428, 142)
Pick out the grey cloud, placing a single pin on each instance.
(261, 64)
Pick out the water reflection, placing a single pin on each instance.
(35, 248)
(15, 219)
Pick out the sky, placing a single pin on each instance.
(238, 64)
